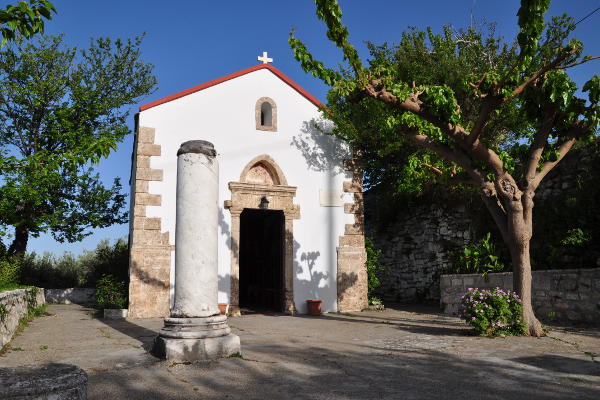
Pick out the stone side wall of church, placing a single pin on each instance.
(150, 250)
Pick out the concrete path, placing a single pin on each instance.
(396, 354)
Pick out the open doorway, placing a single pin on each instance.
(261, 260)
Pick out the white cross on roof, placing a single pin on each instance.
(265, 59)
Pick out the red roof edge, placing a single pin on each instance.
(214, 82)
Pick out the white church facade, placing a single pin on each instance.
(290, 198)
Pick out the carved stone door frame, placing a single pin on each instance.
(280, 197)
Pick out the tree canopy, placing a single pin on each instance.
(465, 108)
(62, 111)
(24, 19)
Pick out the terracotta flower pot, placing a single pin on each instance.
(223, 308)
(314, 306)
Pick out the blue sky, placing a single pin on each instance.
(191, 42)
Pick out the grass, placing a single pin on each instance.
(237, 355)
(32, 313)
(6, 288)
(43, 347)
(104, 332)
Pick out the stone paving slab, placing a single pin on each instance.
(395, 354)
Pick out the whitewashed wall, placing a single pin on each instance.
(225, 115)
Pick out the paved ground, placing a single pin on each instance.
(396, 354)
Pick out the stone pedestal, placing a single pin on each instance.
(195, 331)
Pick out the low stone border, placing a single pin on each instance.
(571, 295)
(83, 296)
(112, 313)
(48, 381)
(13, 307)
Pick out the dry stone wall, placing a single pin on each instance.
(13, 307)
(416, 247)
(557, 295)
(83, 296)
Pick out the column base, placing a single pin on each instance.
(196, 339)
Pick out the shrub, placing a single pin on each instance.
(110, 293)
(66, 271)
(373, 267)
(477, 258)
(493, 312)
(10, 271)
(106, 259)
(48, 271)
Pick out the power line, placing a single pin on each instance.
(589, 15)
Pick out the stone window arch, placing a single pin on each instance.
(266, 114)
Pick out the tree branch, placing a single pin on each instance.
(449, 154)
(495, 208)
(553, 65)
(413, 105)
(434, 169)
(537, 148)
(548, 165)
(490, 103)
(577, 63)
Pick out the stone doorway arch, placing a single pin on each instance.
(261, 180)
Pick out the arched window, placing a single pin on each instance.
(266, 114)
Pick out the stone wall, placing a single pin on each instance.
(83, 296)
(557, 295)
(13, 307)
(415, 247)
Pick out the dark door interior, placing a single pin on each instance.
(261, 259)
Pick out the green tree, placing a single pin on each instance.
(499, 122)
(24, 19)
(61, 112)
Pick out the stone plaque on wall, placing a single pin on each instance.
(331, 198)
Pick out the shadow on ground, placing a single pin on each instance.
(280, 372)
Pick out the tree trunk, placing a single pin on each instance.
(519, 232)
(19, 245)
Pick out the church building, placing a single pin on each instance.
(290, 197)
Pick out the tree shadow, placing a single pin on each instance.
(323, 152)
(318, 284)
(557, 363)
(420, 326)
(315, 371)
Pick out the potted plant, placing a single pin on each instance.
(224, 308)
(111, 295)
(314, 307)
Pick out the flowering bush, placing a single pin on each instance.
(493, 312)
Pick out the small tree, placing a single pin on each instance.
(61, 111)
(499, 121)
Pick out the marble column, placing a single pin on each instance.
(195, 331)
